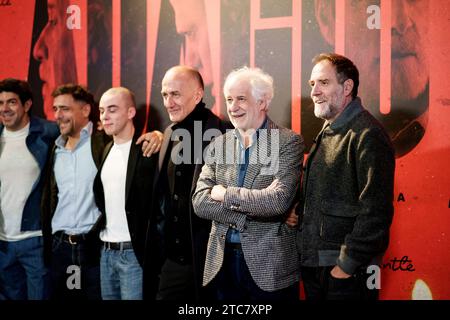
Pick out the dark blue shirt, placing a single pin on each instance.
(233, 235)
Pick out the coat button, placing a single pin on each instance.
(175, 219)
(175, 197)
(178, 173)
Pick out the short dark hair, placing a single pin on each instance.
(19, 87)
(79, 93)
(345, 69)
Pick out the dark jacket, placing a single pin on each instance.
(138, 190)
(39, 141)
(99, 140)
(347, 196)
(186, 177)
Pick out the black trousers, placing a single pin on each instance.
(320, 285)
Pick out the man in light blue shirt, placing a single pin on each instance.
(76, 211)
(70, 212)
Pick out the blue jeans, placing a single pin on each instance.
(120, 275)
(22, 272)
(235, 283)
(85, 255)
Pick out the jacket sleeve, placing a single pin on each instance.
(277, 198)
(240, 203)
(374, 168)
(204, 206)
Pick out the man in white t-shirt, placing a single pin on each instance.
(122, 191)
(24, 146)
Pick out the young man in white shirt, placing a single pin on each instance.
(122, 191)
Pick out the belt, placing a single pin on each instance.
(118, 245)
(233, 245)
(71, 238)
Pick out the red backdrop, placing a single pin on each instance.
(399, 46)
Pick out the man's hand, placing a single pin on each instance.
(292, 217)
(218, 192)
(338, 273)
(151, 142)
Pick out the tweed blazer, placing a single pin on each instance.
(257, 209)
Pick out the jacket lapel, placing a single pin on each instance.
(260, 151)
(132, 163)
(98, 141)
(105, 154)
(165, 145)
(310, 157)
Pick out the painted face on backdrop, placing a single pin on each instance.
(191, 22)
(54, 50)
(409, 32)
(410, 56)
(406, 122)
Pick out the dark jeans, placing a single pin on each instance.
(86, 256)
(235, 283)
(320, 285)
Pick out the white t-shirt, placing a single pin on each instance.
(19, 170)
(113, 175)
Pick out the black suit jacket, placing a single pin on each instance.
(50, 200)
(138, 195)
(199, 228)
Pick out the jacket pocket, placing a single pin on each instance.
(336, 224)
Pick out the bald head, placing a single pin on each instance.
(125, 94)
(117, 110)
(187, 73)
(182, 90)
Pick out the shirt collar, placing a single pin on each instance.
(85, 133)
(353, 108)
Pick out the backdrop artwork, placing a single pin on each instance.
(399, 46)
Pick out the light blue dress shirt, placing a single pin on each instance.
(75, 172)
